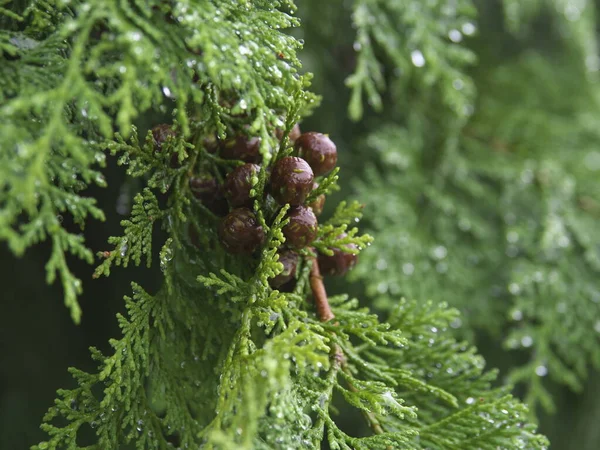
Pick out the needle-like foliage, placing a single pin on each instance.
(216, 358)
(492, 208)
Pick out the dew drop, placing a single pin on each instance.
(123, 249)
(541, 371)
(100, 157)
(458, 84)
(512, 237)
(464, 224)
(439, 252)
(526, 341)
(167, 92)
(408, 268)
(572, 12)
(455, 36)
(456, 323)
(469, 29)
(417, 58)
(527, 176)
(563, 241)
(100, 180)
(512, 251)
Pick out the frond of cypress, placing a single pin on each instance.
(217, 358)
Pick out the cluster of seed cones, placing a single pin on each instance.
(291, 179)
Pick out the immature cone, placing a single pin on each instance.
(211, 143)
(291, 180)
(340, 262)
(244, 148)
(294, 133)
(240, 232)
(318, 150)
(318, 203)
(238, 185)
(160, 134)
(209, 193)
(289, 259)
(302, 228)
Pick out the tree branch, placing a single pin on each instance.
(318, 289)
(325, 315)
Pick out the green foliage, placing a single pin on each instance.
(497, 217)
(576, 21)
(216, 358)
(264, 375)
(88, 63)
(419, 42)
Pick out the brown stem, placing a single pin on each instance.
(318, 289)
(325, 314)
(340, 363)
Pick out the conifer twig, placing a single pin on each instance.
(318, 289)
(340, 362)
(325, 315)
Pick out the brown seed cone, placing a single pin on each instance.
(302, 228)
(291, 180)
(318, 150)
(339, 263)
(238, 185)
(294, 133)
(211, 143)
(240, 232)
(289, 259)
(244, 148)
(160, 134)
(318, 203)
(209, 193)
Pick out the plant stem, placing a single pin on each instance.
(318, 289)
(325, 315)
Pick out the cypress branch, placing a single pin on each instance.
(218, 358)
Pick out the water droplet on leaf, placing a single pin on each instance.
(417, 58)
